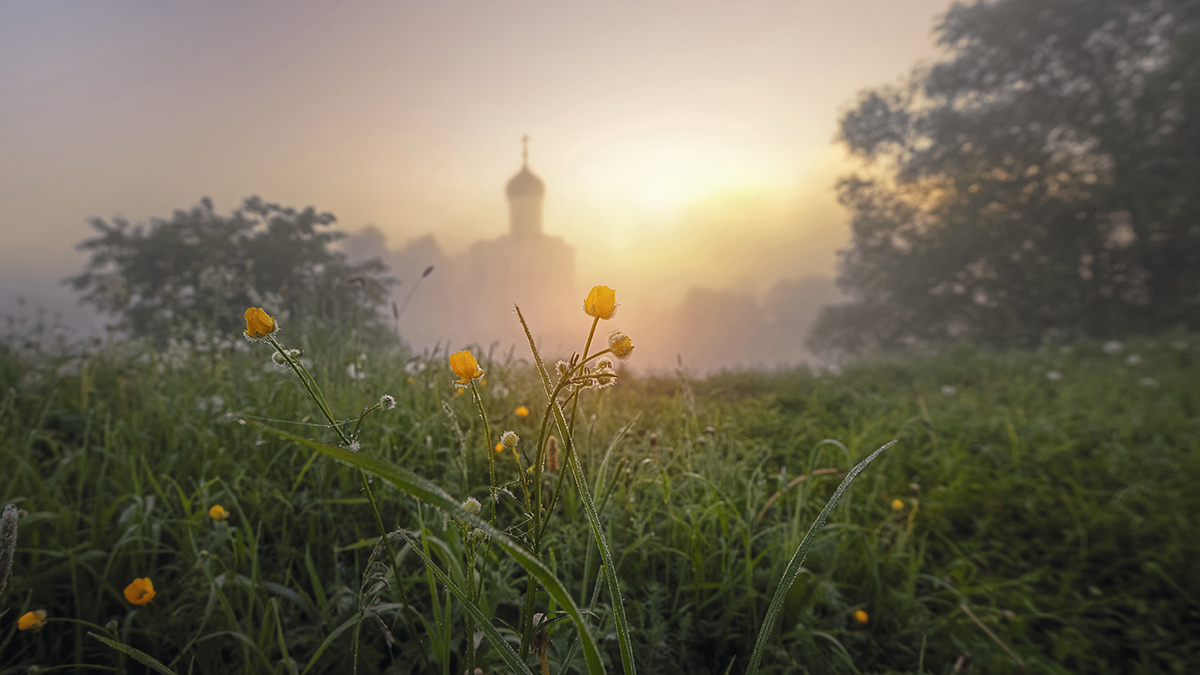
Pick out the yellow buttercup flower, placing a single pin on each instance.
(465, 367)
(259, 324)
(33, 621)
(218, 512)
(861, 617)
(897, 505)
(601, 302)
(140, 591)
(522, 411)
(620, 344)
(499, 447)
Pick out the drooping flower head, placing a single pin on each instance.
(604, 374)
(140, 591)
(218, 513)
(465, 367)
(509, 440)
(620, 344)
(259, 324)
(33, 621)
(601, 302)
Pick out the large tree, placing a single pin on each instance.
(1043, 180)
(201, 270)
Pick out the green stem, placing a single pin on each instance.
(317, 396)
(487, 433)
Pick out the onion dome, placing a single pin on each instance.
(525, 183)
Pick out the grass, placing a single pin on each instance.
(1045, 523)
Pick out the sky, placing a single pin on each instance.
(683, 144)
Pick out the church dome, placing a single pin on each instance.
(525, 183)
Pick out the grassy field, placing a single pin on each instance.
(1039, 513)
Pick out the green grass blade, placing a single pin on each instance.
(328, 641)
(136, 654)
(793, 567)
(426, 491)
(489, 631)
(589, 507)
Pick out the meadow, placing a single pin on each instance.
(1038, 513)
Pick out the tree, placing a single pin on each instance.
(1042, 181)
(201, 270)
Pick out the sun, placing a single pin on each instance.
(663, 171)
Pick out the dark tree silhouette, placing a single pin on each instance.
(1042, 181)
(201, 270)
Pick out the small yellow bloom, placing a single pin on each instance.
(861, 617)
(620, 344)
(140, 591)
(601, 302)
(259, 324)
(522, 411)
(499, 447)
(897, 505)
(218, 512)
(465, 367)
(33, 621)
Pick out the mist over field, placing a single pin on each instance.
(681, 337)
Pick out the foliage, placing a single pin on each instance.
(1039, 182)
(201, 269)
(1060, 512)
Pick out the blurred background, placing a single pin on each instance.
(1006, 172)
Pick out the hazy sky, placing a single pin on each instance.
(681, 143)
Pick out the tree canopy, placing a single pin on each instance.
(1039, 182)
(202, 270)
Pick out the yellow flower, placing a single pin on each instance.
(861, 617)
(499, 447)
(218, 512)
(601, 302)
(897, 505)
(522, 411)
(33, 621)
(620, 344)
(465, 367)
(140, 591)
(259, 324)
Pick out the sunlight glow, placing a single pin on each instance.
(663, 171)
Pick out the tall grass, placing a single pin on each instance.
(1047, 521)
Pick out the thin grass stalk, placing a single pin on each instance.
(426, 491)
(571, 462)
(314, 391)
(793, 566)
(489, 631)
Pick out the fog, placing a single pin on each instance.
(687, 150)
